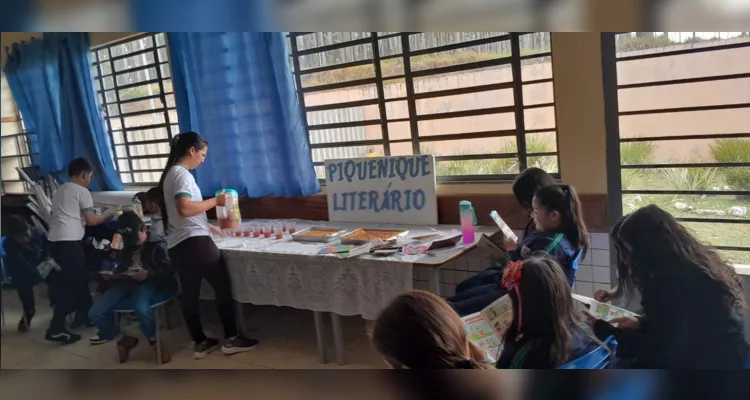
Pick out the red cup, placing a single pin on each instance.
(257, 233)
(246, 233)
(238, 233)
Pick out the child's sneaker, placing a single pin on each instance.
(23, 325)
(63, 337)
(97, 340)
(201, 350)
(239, 344)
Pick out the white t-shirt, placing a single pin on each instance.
(157, 225)
(179, 182)
(69, 203)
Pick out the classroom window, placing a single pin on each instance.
(683, 101)
(481, 102)
(15, 146)
(133, 82)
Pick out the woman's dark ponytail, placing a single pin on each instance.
(179, 147)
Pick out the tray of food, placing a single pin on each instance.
(318, 235)
(362, 236)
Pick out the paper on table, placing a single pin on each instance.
(603, 311)
(487, 327)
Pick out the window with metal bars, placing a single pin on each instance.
(134, 86)
(680, 115)
(481, 102)
(14, 146)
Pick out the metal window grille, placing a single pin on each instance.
(15, 146)
(134, 87)
(679, 132)
(481, 102)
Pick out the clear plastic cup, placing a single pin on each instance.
(267, 230)
(279, 230)
(291, 227)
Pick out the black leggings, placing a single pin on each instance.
(195, 259)
(69, 287)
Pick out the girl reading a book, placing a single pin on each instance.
(561, 235)
(544, 333)
(692, 299)
(524, 187)
(419, 330)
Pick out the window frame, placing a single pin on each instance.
(615, 166)
(22, 153)
(164, 109)
(514, 60)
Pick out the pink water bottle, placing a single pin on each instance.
(468, 220)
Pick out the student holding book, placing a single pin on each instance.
(419, 330)
(148, 279)
(561, 235)
(544, 333)
(693, 301)
(524, 188)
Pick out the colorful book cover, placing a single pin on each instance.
(604, 311)
(486, 328)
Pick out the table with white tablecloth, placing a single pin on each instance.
(282, 272)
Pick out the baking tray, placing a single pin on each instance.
(357, 242)
(317, 239)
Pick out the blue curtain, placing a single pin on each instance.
(236, 89)
(52, 85)
(212, 16)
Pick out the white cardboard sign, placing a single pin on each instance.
(396, 190)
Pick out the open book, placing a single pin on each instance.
(497, 253)
(486, 328)
(604, 311)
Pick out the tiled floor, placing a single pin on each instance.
(287, 340)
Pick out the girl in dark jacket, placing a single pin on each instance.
(544, 333)
(692, 299)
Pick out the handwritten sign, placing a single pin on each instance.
(396, 190)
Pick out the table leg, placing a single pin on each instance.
(320, 336)
(338, 338)
(435, 280)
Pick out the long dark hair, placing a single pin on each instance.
(564, 199)
(420, 330)
(547, 308)
(180, 147)
(651, 240)
(528, 182)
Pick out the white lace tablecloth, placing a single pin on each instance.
(287, 273)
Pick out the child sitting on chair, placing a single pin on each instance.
(544, 333)
(561, 235)
(149, 279)
(524, 188)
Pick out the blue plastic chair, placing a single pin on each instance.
(574, 265)
(598, 358)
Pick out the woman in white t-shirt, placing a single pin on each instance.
(192, 250)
